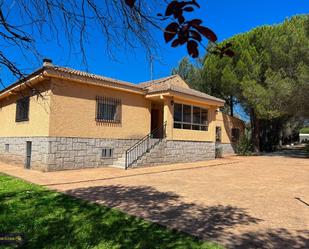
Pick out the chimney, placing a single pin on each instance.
(47, 62)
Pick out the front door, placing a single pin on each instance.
(28, 154)
(157, 123)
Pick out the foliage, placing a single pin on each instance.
(268, 76)
(219, 152)
(124, 23)
(304, 130)
(189, 72)
(244, 145)
(271, 64)
(52, 220)
(307, 148)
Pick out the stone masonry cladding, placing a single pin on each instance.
(61, 153)
(172, 151)
(227, 149)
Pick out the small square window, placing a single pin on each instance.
(107, 152)
(7, 147)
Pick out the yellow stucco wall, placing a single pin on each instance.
(226, 123)
(68, 110)
(73, 108)
(39, 110)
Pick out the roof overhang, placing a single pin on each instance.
(22, 84)
(186, 97)
(45, 73)
(52, 73)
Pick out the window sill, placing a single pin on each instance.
(21, 120)
(107, 121)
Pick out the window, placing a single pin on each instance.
(108, 110)
(235, 134)
(22, 110)
(7, 148)
(190, 117)
(107, 152)
(218, 134)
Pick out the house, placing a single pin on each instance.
(58, 118)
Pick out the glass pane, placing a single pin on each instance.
(204, 128)
(196, 115)
(107, 111)
(196, 127)
(204, 116)
(186, 126)
(187, 113)
(177, 112)
(177, 125)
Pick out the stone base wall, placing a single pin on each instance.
(60, 153)
(172, 151)
(78, 153)
(227, 149)
(16, 153)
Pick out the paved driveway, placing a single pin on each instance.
(241, 202)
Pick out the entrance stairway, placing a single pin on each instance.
(139, 153)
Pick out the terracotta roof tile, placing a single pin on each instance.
(155, 86)
(94, 76)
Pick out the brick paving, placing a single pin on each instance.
(241, 202)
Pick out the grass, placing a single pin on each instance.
(50, 219)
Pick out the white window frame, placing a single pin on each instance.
(182, 123)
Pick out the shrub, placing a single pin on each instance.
(244, 146)
(304, 130)
(219, 152)
(307, 147)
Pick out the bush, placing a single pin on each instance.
(219, 152)
(304, 130)
(244, 146)
(307, 148)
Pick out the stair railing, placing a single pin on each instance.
(145, 145)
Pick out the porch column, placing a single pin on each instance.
(168, 112)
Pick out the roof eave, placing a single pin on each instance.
(34, 77)
(188, 96)
(51, 72)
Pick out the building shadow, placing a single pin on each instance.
(168, 209)
(290, 152)
(214, 223)
(271, 239)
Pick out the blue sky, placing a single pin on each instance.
(225, 17)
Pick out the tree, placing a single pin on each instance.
(189, 72)
(269, 76)
(268, 71)
(122, 23)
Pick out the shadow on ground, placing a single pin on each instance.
(167, 209)
(271, 239)
(294, 152)
(206, 222)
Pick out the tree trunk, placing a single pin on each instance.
(231, 106)
(255, 131)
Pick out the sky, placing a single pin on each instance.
(225, 17)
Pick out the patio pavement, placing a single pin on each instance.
(240, 202)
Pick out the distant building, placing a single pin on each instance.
(303, 137)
